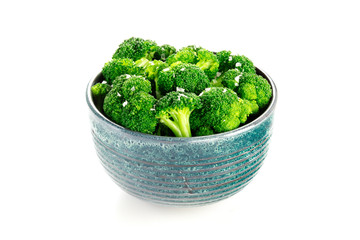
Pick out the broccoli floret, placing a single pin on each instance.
(246, 109)
(208, 62)
(230, 79)
(117, 67)
(220, 111)
(182, 75)
(242, 63)
(255, 87)
(136, 48)
(204, 131)
(136, 113)
(164, 51)
(134, 85)
(223, 58)
(184, 55)
(152, 73)
(99, 92)
(174, 110)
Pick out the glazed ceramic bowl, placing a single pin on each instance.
(181, 171)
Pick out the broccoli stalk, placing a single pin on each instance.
(174, 109)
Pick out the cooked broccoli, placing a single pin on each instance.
(182, 75)
(230, 79)
(117, 67)
(222, 111)
(99, 92)
(164, 51)
(254, 87)
(136, 113)
(174, 110)
(152, 73)
(208, 62)
(242, 63)
(223, 58)
(185, 55)
(136, 48)
(134, 85)
(192, 91)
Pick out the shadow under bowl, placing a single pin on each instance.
(181, 171)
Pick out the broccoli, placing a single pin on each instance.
(136, 113)
(152, 73)
(230, 79)
(208, 62)
(164, 51)
(117, 67)
(185, 55)
(222, 111)
(182, 75)
(223, 58)
(174, 110)
(242, 63)
(99, 92)
(254, 87)
(136, 48)
(135, 84)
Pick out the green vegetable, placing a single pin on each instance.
(99, 92)
(174, 110)
(182, 75)
(208, 62)
(136, 48)
(164, 51)
(117, 67)
(255, 87)
(185, 55)
(222, 111)
(192, 91)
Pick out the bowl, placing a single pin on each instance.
(181, 171)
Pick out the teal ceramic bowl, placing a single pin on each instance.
(181, 171)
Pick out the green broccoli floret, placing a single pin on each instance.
(185, 55)
(99, 92)
(135, 84)
(117, 67)
(242, 63)
(208, 62)
(152, 73)
(247, 108)
(223, 58)
(222, 111)
(230, 79)
(255, 87)
(174, 110)
(136, 113)
(136, 48)
(164, 51)
(182, 75)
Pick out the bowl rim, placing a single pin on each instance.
(246, 127)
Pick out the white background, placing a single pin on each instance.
(52, 185)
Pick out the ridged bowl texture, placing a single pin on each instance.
(181, 171)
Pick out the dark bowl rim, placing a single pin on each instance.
(270, 109)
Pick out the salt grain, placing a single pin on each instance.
(166, 69)
(125, 103)
(178, 89)
(132, 89)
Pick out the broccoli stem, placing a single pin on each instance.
(180, 124)
(173, 126)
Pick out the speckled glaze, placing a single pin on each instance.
(181, 171)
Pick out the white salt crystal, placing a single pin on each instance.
(218, 74)
(179, 89)
(118, 94)
(224, 90)
(132, 89)
(125, 103)
(104, 82)
(230, 58)
(237, 64)
(207, 89)
(166, 69)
